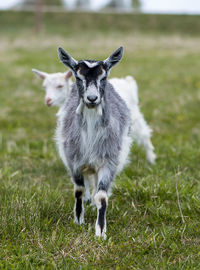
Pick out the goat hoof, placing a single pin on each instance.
(151, 158)
(79, 222)
(101, 235)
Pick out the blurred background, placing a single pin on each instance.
(149, 6)
(161, 42)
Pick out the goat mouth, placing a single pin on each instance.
(91, 105)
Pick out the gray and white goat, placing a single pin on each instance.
(93, 132)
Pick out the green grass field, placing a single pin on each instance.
(145, 227)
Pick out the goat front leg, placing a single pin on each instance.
(79, 190)
(101, 200)
(87, 197)
(89, 180)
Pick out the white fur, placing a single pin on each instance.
(141, 132)
(90, 137)
(90, 65)
(59, 141)
(127, 89)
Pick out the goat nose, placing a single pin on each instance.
(48, 101)
(92, 98)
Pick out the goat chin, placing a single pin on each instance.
(79, 109)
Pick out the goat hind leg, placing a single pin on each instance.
(142, 135)
(149, 148)
(79, 190)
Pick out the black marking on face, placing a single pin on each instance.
(91, 79)
(80, 86)
(92, 73)
(102, 210)
(78, 196)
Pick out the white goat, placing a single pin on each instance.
(58, 86)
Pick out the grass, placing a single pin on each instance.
(145, 228)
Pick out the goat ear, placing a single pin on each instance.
(68, 74)
(67, 59)
(40, 74)
(114, 58)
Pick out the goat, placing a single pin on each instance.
(58, 87)
(94, 132)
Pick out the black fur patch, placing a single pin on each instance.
(103, 186)
(102, 211)
(78, 195)
(78, 179)
(90, 73)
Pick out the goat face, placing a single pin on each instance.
(91, 79)
(56, 86)
(91, 76)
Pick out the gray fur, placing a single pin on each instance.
(114, 120)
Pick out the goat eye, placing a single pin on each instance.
(59, 86)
